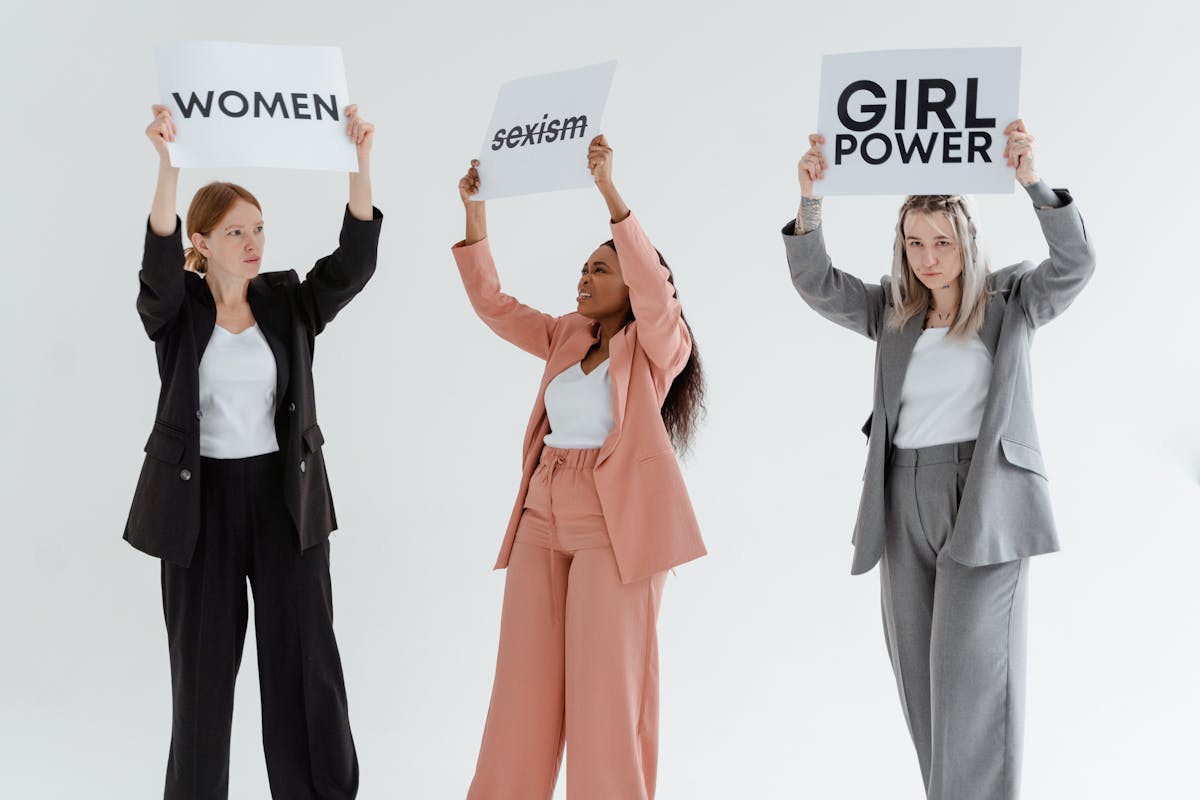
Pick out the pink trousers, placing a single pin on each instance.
(578, 659)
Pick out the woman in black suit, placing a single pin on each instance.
(233, 486)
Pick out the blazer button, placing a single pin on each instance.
(185, 474)
(199, 413)
(302, 466)
(291, 408)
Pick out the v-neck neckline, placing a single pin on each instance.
(588, 374)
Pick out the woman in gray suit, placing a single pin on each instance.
(954, 497)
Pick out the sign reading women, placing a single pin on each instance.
(538, 138)
(918, 121)
(255, 105)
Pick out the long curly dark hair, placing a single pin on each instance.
(684, 407)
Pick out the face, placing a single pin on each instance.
(933, 253)
(235, 244)
(602, 291)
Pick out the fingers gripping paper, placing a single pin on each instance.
(254, 105)
(918, 121)
(538, 138)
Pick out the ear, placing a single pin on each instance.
(200, 245)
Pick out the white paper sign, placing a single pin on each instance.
(538, 138)
(256, 105)
(918, 121)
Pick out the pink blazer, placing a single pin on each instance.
(646, 506)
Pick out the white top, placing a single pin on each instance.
(580, 407)
(944, 390)
(237, 395)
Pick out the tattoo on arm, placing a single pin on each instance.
(808, 218)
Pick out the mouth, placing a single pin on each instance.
(254, 260)
(584, 296)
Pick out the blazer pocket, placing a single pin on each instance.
(165, 446)
(1023, 456)
(313, 438)
(654, 456)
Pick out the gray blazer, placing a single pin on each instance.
(1004, 513)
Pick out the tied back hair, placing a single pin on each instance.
(210, 205)
(684, 406)
(910, 296)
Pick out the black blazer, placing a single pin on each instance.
(179, 314)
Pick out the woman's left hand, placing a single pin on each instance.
(1018, 152)
(361, 132)
(600, 161)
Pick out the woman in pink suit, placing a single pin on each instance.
(601, 515)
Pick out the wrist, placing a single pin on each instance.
(1028, 180)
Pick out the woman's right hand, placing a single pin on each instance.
(812, 164)
(161, 130)
(469, 183)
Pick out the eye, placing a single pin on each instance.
(234, 232)
(945, 243)
(259, 229)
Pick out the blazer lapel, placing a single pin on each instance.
(272, 320)
(620, 365)
(897, 347)
(993, 317)
(205, 319)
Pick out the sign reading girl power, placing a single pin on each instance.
(538, 138)
(918, 121)
(256, 105)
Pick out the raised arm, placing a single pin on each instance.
(335, 279)
(527, 328)
(161, 278)
(1047, 290)
(661, 330)
(836, 295)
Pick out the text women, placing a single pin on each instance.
(235, 104)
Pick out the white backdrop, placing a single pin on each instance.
(775, 680)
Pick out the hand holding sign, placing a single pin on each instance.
(361, 132)
(1018, 152)
(812, 164)
(600, 165)
(161, 130)
(469, 184)
(600, 161)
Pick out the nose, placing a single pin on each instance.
(929, 258)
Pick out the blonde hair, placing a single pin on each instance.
(909, 295)
(210, 205)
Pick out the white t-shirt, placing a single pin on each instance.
(237, 395)
(580, 407)
(944, 390)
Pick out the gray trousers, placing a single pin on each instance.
(955, 634)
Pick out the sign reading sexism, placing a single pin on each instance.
(255, 105)
(538, 138)
(918, 121)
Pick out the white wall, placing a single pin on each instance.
(775, 680)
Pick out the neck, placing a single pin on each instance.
(227, 290)
(945, 298)
(610, 327)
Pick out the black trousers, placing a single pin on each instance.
(246, 532)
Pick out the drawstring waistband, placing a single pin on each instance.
(555, 458)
